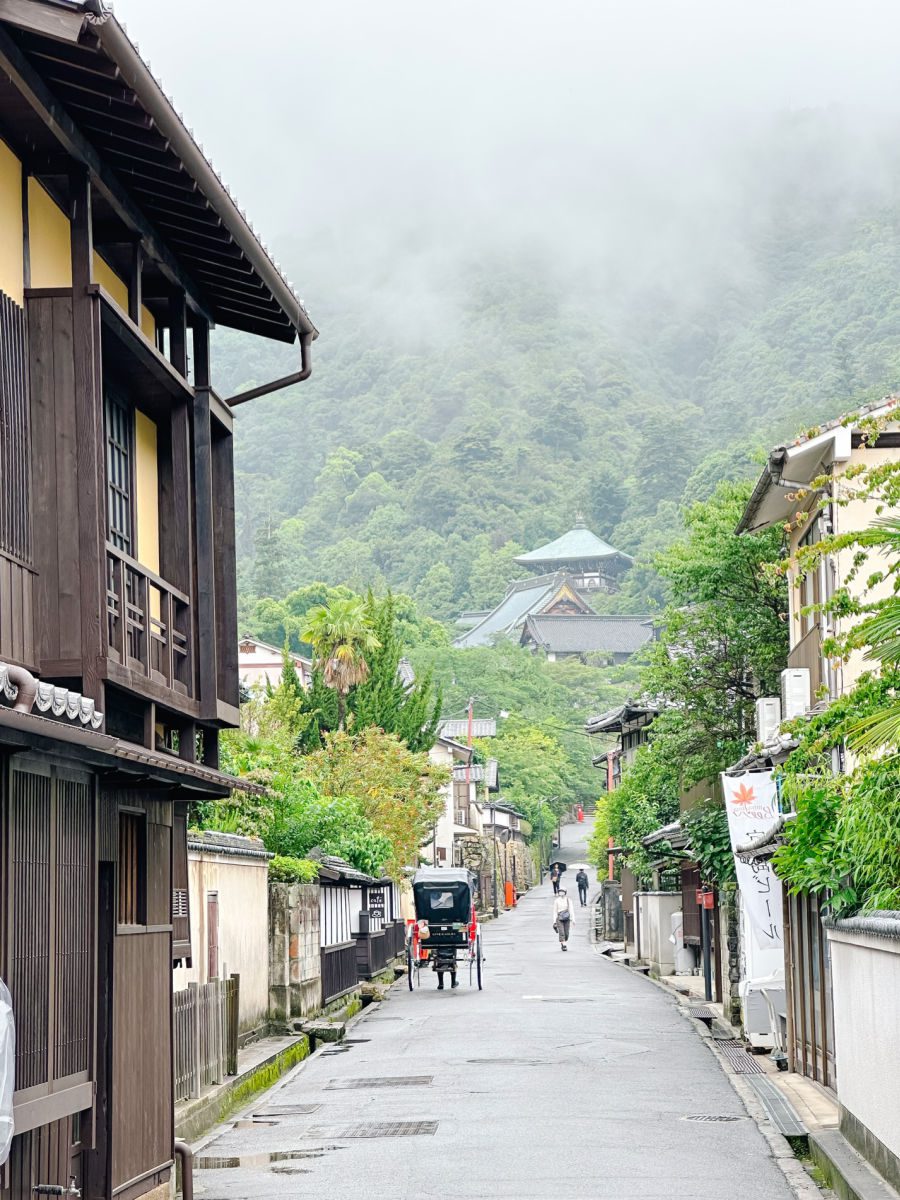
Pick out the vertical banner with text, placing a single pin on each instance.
(752, 807)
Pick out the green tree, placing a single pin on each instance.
(384, 698)
(342, 638)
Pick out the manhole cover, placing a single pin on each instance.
(383, 1081)
(288, 1110)
(374, 1129)
(710, 1117)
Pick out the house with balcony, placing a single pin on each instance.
(118, 630)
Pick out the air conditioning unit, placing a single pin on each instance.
(768, 718)
(795, 692)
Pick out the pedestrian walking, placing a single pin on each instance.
(583, 882)
(563, 917)
(554, 878)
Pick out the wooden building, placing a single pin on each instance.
(118, 640)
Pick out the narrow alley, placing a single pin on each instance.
(567, 1077)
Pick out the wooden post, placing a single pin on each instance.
(194, 1009)
(135, 295)
(89, 432)
(205, 594)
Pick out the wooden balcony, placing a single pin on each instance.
(148, 624)
(808, 653)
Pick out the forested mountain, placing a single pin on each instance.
(432, 443)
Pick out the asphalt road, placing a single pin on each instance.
(568, 1078)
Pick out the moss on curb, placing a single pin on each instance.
(209, 1111)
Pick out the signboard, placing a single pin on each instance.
(752, 807)
(376, 904)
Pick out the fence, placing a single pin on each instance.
(206, 1035)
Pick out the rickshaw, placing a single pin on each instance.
(445, 932)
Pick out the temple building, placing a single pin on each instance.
(570, 568)
(594, 565)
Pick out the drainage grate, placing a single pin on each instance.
(288, 1110)
(742, 1062)
(374, 1129)
(379, 1081)
(778, 1108)
(701, 1012)
(710, 1117)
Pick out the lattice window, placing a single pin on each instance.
(132, 902)
(120, 473)
(15, 441)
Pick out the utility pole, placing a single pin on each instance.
(494, 873)
(705, 941)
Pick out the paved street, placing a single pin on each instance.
(567, 1077)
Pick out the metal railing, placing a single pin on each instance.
(148, 622)
(206, 1035)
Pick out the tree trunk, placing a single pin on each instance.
(342, 710)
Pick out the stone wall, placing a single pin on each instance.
(295, 983)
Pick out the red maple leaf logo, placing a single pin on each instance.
(743, 795)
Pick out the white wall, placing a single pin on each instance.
(656, 909)
(866, 987)
(242, 885)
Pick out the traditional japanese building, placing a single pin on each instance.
(570, 567)
(593, 564)
(118, 641)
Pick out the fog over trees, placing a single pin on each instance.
(589, 257)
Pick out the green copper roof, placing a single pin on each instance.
(578, 543)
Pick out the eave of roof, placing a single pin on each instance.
(613, 720)
(109, 112)
(794, 466)
(576, 544)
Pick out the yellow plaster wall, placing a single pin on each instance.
(11, 228)
(118, 291)
(49, 244)
(146, 479)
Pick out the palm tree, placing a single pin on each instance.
(880, 632)
(341, 636)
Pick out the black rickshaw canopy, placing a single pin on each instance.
(443, 894)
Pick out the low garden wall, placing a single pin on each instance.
(865, 964)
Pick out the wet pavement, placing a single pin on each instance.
(568, 1077)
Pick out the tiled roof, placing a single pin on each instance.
(579, 634)
(577, 543)
(478, 773)
(522, 598)
(481, 728)
(612, 721)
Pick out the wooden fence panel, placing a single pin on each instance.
(206, 1035)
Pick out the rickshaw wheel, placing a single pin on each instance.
(478, 960)
(409, 963)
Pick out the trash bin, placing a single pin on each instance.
(510, 894)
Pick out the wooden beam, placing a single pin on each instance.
(90, 440)
(135, 292)
(205, 605)
(60, 123)
(178, 333)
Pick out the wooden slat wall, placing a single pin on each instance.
(74, 926)
(15, 454)
(55, 483)
(30, 956)
(42, 1156)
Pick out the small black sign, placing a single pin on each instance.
(376, 903)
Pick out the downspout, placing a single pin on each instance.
(285, 381)
(186, 1156)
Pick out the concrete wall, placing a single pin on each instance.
(242, 888)
(295, 983)
(866, 984)
(656, 911)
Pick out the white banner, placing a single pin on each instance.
(752, 807)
